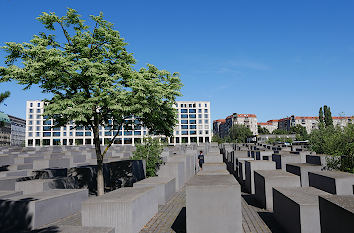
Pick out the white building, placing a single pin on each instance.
(270, 125)
(193, 126)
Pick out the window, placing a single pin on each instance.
(206, 110)
(193, 132)
(56, 134)
(200, 105)
(71, 133)
(31, 105)
(192, 116)
(184, 111)
(38, 122)
(30, 142)
(184, 121)
(190, 105)
(206, 115)
(46, 128)
(184, 116)
(30, 116)
(192, 122)
(31, 110)
(199, 121)
(128, 133)
(184, 132)
(200, 132)
(30, 128)
(177, 132)
(30, 134)
(80, 134)
(109, 133)
(200, 115)
(38, 116)
(30, 122)
(176, 105)
(192, 126)
(56, 129)
(192, 111)
(38, 104)
(206, 105)
(137, 132)
(38, 128)
(184, 126)
(64, 133)
(47, 122)
(206, 122)
(37, 134)
(46, 134)
(199, 111)
(38, 110)
(206, 131)
(87, 133)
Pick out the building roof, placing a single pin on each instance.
(264, 123)
(220, 120)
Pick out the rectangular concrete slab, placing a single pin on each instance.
(266, 180)
(302, 170)
(209, 208)
(165, 187)
(337, 213)
(250, 167)
(297, 209)
(125, 209)
(334, 182)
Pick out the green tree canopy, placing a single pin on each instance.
(300, 131)
(262, 130)
(92, 79)
(239, 133)
(280, 131)
(4, 96)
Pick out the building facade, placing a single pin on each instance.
(222, 127)
(5, 130)
(18, 131)
(193, 126)
(270, 125)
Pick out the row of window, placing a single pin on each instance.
(191, 132)
(193, 116)
(191, 105)
(38, 105)
(183, 110)
(81, 134)
(31, 110)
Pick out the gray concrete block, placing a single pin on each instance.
(8, 183)
(297, 209)
(35, 210)
(8, 194)
(51, 163)
(318, 159)
(214, 166)
(337, 213)
(334, 182)
(16, 173)
(266, 180)
(165, 187)
(209, 207)
(302, 170)
(173, 170)
(282, 159)
(27, 159)
(79, 229)
(241, 173)
(125, 209)
(33, 186)
(217, 158)
(187, 161)
(250, 167)
(215, 172)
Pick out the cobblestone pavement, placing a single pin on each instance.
(171, 217)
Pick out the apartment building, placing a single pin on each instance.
(5, 130)
(311, 123)
(223, 126)
(193, 126)
(270, 125)
(12, 130)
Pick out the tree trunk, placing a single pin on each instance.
(100, 180)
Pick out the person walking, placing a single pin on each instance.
(201, 160)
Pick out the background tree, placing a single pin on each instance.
(262, 130)
(4, 96)
(150, 151)
(92, 79)
(239, 133)
(320, 116)
(217, 138)
(280, 131)
(300, 131)
(327, 116)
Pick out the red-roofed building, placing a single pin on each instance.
(270, 125)
(221, 127)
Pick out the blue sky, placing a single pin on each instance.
(270, 58)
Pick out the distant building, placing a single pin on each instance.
(270, 125)
(18, 131)
(193, 127)
(5, 130)
(12, 130)
(222, 127)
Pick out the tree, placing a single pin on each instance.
(217, 138)
(327, 116)
(262, 130)
(300, 131)
(150, 151)
(320, 115)
(239, 133)
(280, 131)
(4, 96)
(92, 79)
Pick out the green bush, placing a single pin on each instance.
(150, 151)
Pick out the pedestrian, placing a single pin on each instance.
(201, 160)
